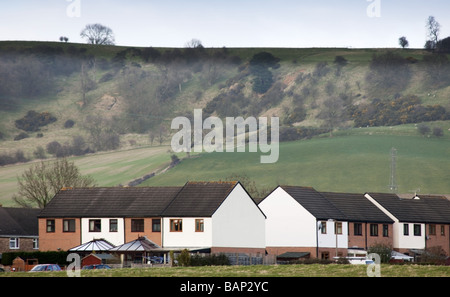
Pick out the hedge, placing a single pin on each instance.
(42, 257)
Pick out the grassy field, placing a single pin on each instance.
(312, 270)
(356, 160)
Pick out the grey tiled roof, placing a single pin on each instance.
(315, 203)
(357, 208)
(192, 199)
(425, 209)
(18, 221)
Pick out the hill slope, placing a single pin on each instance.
(122, 99)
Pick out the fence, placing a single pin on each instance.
(250, 259)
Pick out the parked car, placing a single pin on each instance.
(96, 266)
(46, 267)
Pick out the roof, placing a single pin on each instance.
(110, 202)
(142, 244)
(357, 208)
(293, 255)
(199, 199)
(19, 221)
(315, 203)
(93, 245)
(419, 209)
(192, 199)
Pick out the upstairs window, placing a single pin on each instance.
(95, 226)
(417, 230)
(113, 225)
(373, 229)
(338, 228)
(199, 225)
(432, 229)
(406, 229)
(69, 225)
(137, 225)
(156, 225)
(50, 226)
(176, 225)
(385, 230)
(14, 243)
(357, 227)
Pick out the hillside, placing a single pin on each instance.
(119, 102)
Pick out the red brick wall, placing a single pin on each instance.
(153, 236)
(365, 240)
(58, 240)
(437, 239)
(25, 245)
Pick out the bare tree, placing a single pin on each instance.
(433, 28)
(194, 43)
(333, 113)
(40, 183)
(98, 34)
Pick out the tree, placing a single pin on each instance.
(98, 34)
(433, 28)
(403, 42)
(332, 112)
(40, 183)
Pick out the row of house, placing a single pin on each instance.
(222, 217)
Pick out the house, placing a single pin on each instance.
(326, 224)
(18, 229)
(218, 216)
(420, 222)
(300, 219)
(367, 225)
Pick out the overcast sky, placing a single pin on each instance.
(230, 23)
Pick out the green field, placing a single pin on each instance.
(302, 270)
(353, 163)
(356, 160)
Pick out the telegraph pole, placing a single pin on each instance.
(393, 185)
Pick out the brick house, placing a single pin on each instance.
(219, 216)
(420, 222)
(325, 224)
(18, 229)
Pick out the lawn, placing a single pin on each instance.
(302, 270)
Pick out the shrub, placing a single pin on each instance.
(21, 136)
(53, 147)
(216, 260)
(184, 259)
(69, 124)
(32, 121)
(42, 257)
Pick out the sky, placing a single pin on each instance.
(229, 23)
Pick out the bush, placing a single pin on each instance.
(69, 124)
(210, 260)
(21, 136)
(42, 257)
(184, 259)
(32, 121)
(53, 147)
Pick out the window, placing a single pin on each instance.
(112, 225)
(14, 243)
(95, 225)
(176, 225)
(69, 225)
(156, 225)
(417, 230)
(199, 225)
(137, 225)
(357, 227)
(35, 243)
(323, 227)
(432, 229)
(50, 226)
(373, 229)
(406, 229)
(338, 228)
(385, 230)
(443, 230)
